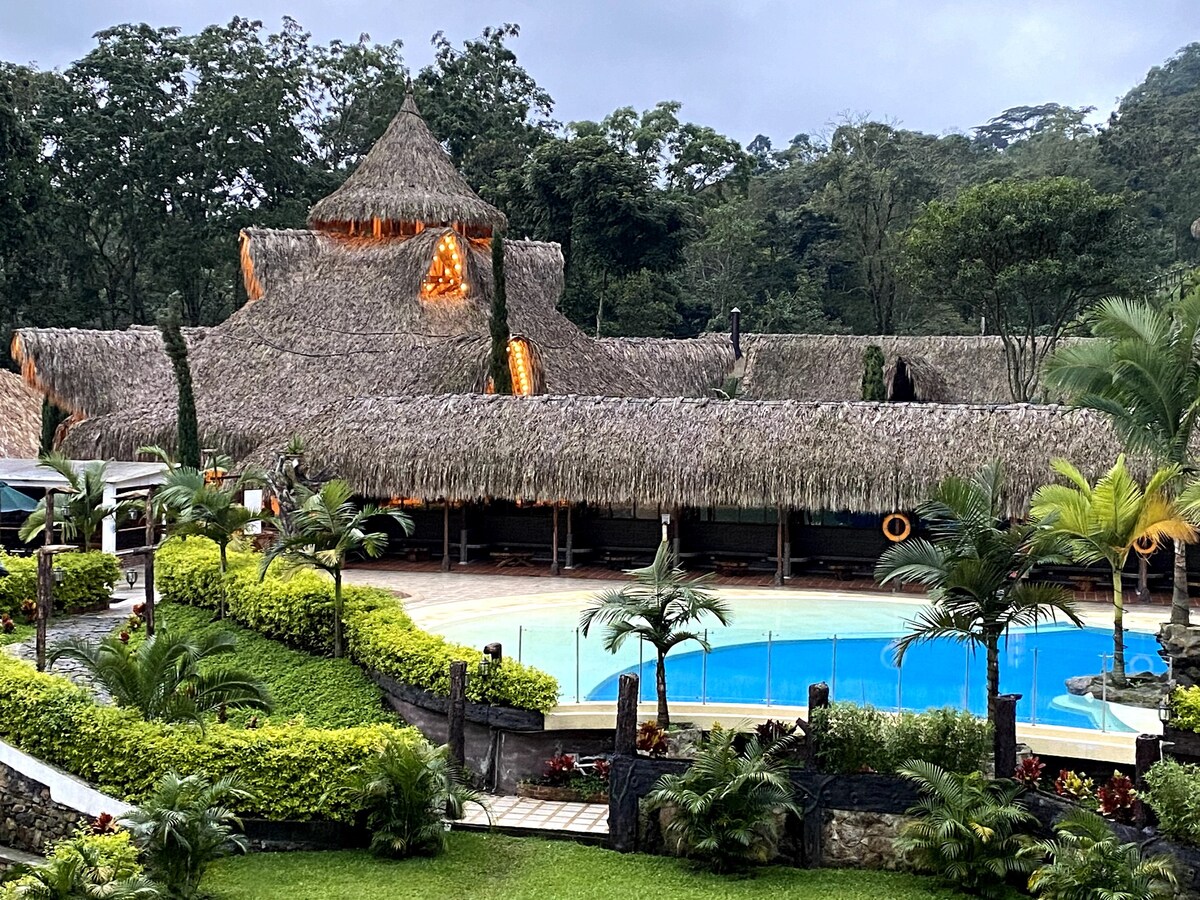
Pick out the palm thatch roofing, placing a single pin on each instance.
(20, 417)
(407, 177)
(873, 457)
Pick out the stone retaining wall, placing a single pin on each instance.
(852, 839)
(29, 818)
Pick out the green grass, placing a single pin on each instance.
(494, 867)
(327, 693)
(17, 635)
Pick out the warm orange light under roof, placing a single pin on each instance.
(445, 276)
(520, 365)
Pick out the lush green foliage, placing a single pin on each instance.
(183, 826)
(1086, 855)
(315, 690)
(294, 772)
(1173, 792)
(1185, 709)
(380, 636)
(728, 809)
(854, 738)
(85, 865)
(88, 580)
(187, 428)
(663, 608)
(976, 570)
(163, 677)
(873, 387)
(406, 791)
(79, 508)
(966, 829)
(494, 867)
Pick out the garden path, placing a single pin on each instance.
(520, 815)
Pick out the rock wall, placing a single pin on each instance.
(853, 839)
(29, 818)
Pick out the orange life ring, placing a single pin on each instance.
(1145, 545)
(897, 536)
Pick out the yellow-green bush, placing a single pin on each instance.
(379, 634)
(1185, 704)
(294, 772)
(88, 580)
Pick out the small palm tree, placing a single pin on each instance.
(660, 608)
(185, 825)
(163, 677)
(1104, 522)
(1087, 855)
(1142, 372)
(323, 531)
(83, 874)
(406, 791)
(80, 509)
(728, 808)
(966, 829)
(195, 504)
(977, 572)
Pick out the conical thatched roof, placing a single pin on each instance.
(407, 177)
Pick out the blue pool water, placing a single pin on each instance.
(1034, 664)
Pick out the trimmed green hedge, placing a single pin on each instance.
(1185, 705)
(852, 738)
(380, 636)
(294, 772)
(88, 580)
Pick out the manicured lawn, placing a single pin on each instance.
(494, 867)
(328, 693)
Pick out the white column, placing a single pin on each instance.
(108, 528)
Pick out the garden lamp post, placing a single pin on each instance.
(131, 577)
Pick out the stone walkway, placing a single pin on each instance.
(520, 815)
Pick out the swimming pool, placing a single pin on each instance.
(780, 643)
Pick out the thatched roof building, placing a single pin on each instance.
(20, 417)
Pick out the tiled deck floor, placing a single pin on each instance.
(516, 814)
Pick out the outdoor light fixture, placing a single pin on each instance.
(131, 577)
(492, 654)
(485, 663)
(58, 575)
(1164, 710)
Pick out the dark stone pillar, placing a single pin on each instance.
(457, 713)
(1005, 738)
(818, 698)
(622, 793)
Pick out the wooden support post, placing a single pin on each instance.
(148, 561)
(676, 533)
(628, 688)
(1147, 750)
(622, 784)
(554, 543)
(570, 552)
(45, 584)
(462, 537)
(446, 536)
(457, 713)
(1005, 740)
(787, 542)
(779, 545)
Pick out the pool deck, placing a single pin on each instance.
(436, 599)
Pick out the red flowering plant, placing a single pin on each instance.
(1029, 772)
(602, 768)
(104, 824)
(1117, 799)
(651, 739)
(29, 610)
(560, 769)
(7, 624)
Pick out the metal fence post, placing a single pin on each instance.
(704, 670)
(768, 668)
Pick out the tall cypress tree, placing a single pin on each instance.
(177, 351)
(498, 369)
(872, 380)
(52, 417)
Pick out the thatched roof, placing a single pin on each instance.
(20, 417)
(407, 176)
(864, 456)
(674, 368)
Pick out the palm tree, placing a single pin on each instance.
(197, 504)
(322, 531)
(1104, 522)
(658, 608)
(82, 874)
(163, 677)
(79, 510)
(976, 570)
(1143, 373)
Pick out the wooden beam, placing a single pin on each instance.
(45, 583)
(570, 553)
(457, 713)
(554, 543)
(779, 545)
(446, 536)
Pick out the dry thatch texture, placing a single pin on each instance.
(20, 417)
(863, 456)
(675, 368)
(270, 253)
(928, 385)
(406, 176)
(819, 367)
(97, 372)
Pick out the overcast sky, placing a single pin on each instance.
(742, 66)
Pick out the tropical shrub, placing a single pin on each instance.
(1029, 772)
(852, 738)
(1185, 709)
(184, 825)
(728, 809)
(1173, 792)
(1086, 856)
(294, 772)
(1077, 788)
(380, 636)
(83, 866)
(966, 829)
(88, 580)
(1115, 799)
(652, 739)
(406, 790)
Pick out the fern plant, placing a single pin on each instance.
(1086, 861)
(728, 808)
(81, 874)
(967, 829)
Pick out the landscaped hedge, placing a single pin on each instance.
(293, 771)
(88, 580)
(380, 636)
(1185, 706)
(852, 738)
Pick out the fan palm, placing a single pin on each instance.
(163, 677)
(976, 570)
(406, 791)
(80, 509)
(1104, 522)
(660, 607)
(1143, 373)
(183, 826)
(323, 531)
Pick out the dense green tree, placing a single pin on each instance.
(187, 427)
(873, 388)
